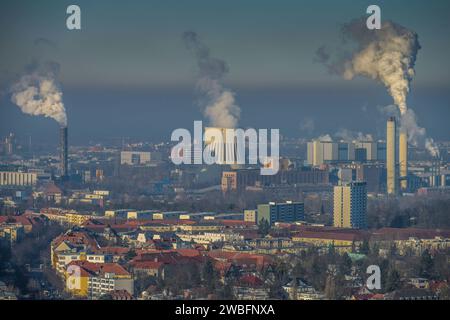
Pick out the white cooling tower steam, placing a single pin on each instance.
(387, 55)
(37, 92)
(219, 102)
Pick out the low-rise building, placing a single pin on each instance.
(93, 280)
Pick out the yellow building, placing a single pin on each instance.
(77, 219)
(77, 281)
(350, 206)
(250, 215)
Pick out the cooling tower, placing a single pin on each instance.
(391, 156)
(63, 151)
(403, 159)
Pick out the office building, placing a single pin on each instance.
(281, 212)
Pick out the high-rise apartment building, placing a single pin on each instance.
(350, 205)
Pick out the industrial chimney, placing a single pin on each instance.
(63, 151)
(403, 159)
(391, 156)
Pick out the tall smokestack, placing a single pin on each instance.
(63, 151)
(403, 159)
(391, 156)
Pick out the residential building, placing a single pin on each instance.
(350, 205)
(281, 212)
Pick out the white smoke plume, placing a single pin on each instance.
(349, 135)
(37, 92)
(431, 146)
(307, 125)
(220, 106)
(387, 55)
(325, 138)
(416, 134)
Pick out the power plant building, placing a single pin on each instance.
(12, 178)
(135, 157)
(320, 152)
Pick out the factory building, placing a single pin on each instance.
(135, 157)
(12, 178)
(239, 179)
(350, 206)
(368, 148)
(320, 152)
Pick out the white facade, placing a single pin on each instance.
(210, 237)
(102, 284)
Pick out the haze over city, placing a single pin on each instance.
(132, 64)
(250, 152)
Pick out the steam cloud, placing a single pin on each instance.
(325, 138)
(37, 92)
(387, 55)
(307, 125)
(349, 135)
(220, 103)
(416, 134)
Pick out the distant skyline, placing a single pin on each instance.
(127, 72)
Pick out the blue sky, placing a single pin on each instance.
(129, 46)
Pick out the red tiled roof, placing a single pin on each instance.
(152, 265)
(171, 222)
(76, 238)
(113, 250)
(188, 252)
(406, 233)
(167, 257)
(100, 268)
(236, 223)
(251, 281)
(16, 219)
(239, 258)
(121, 295)
(51, 189)
(329, 235)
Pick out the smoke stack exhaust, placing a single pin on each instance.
(63, 152)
